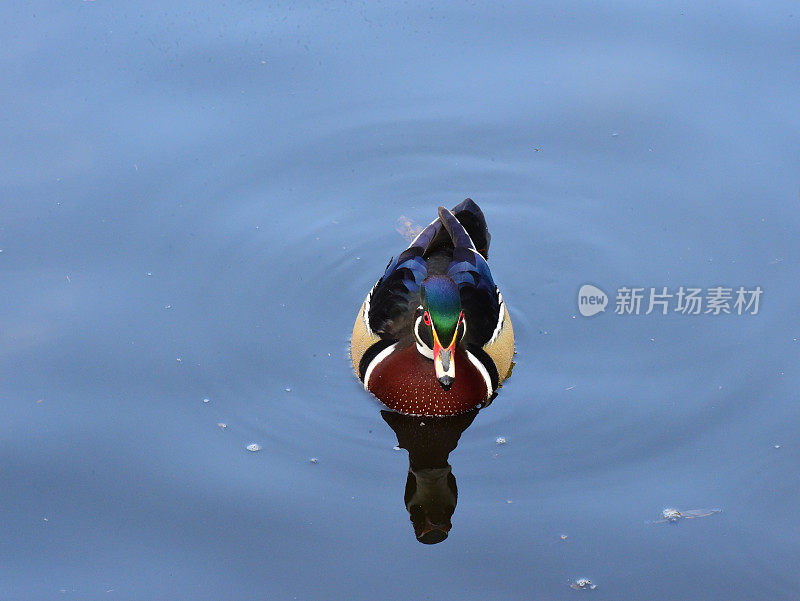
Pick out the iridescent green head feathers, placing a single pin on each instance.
(440, 298)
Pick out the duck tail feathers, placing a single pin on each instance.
(458, 234)
(471, 217)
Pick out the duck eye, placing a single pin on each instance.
(426, 318)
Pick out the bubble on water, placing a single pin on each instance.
(149, 274)
(287, 389)
(222, 425)
(168, 306)
(583, 584)
(396, 448)
(501, 440)
(254, 447)
(671, 514)
(313, 460)
(206, 400)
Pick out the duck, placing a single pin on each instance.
(433, 336)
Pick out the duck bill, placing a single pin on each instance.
(444, 361)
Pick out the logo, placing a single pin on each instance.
(683, 300)
(591, 300)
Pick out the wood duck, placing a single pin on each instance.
(433, 336)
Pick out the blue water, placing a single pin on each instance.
(197, 196)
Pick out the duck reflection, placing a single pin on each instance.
(431, 492)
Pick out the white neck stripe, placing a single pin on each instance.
(423, 349)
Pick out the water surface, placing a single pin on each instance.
(197, 197)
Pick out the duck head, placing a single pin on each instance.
(440, 325)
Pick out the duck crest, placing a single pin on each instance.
(433, 336)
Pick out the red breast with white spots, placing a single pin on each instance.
(406, 382)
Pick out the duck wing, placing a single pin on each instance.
(394, 298)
